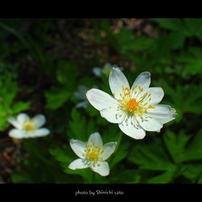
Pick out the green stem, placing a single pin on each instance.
(117, 146)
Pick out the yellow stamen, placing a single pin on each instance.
(29, 125)
(93, 152)
(138, 105)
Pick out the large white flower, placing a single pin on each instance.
(26, 127)
(134, 109)
(92, 154)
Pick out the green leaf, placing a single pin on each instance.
(193, 26)
(138, 43)
(174, 24)
(121, 153)
(150, 157)
(163, 178)
(81, 128)
(56, 98)
(125, 177)
(123, 37)
(176, 39)
(192, 60)
(175, 144)
(182, 147)
(66, 74)
(21, 177)
(64, 155)
(20, 106)
(193, 171)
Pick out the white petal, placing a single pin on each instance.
(22, 117)
(40, 120)
(15, 123)
(116, 80)
(133, 130)
(112, 115)
(101, 167)
(78, 147)
(41, 132)
(143, 80)
(77, 164)
(95, 138)
(156, 95)
(15, 133)
(108, 150)
(150, 124)
(100, 100)
(162, 113)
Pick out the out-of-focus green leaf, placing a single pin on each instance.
(150, 157)
(174, 24)
(81, 128)
(8, 106)
(163, 178)
(191, 59)
(138, 43)
(192, 171)
(125, 177)
(193, 26)
(182, 148)
(56, 97)
(175, 144)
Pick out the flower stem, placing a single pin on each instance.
(117, 146)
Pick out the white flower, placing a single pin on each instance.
(135, 109)
(26, 127)
(81, 95)
(105, 70)
(92, 154)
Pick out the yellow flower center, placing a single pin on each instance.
(93, 152)
(134, 103)
(29, 125)
(131, 104)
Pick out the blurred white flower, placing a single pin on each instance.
(26, 127)
(81, 95)
(135, 109)
(105, 70)
(92, 154)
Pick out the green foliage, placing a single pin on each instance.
(8, 106)
(44, 61)
(66, 76)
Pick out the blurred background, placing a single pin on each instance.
(47, 65)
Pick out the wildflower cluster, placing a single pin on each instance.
(135, 109)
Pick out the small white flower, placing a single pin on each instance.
(92, 154)
(26, 127)
(135, 109)
(81, 95)
(105, 70)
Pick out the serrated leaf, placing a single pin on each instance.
(66, 74)
(182, 148)
(175, 144)
(81, 129)
(150, 157)
(126, 177)
(138, 43)
(20, 106)
(56, 98)
(193, 26)
(174, 24)
(192, 171)
(163, 178)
